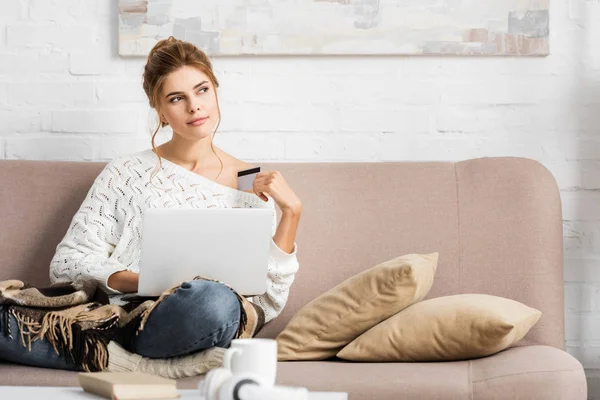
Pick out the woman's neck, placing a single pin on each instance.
(194, 156)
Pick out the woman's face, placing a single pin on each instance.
(188, 103)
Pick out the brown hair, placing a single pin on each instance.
(168, 55)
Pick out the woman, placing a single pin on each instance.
(103, 240)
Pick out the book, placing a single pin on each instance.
(128, 385)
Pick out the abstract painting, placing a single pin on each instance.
(355, 27)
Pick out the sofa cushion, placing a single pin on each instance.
(446, 328)
(23, 375)
(528, 372)
(332, 320)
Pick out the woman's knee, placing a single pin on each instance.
(200, 314)
(211, 303)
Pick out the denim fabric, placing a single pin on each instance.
(200, 314)
(42, 353)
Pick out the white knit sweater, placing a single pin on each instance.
(104, 236)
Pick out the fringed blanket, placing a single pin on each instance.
(77, 318)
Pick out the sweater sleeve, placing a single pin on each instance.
(281, 272)
(85, 251)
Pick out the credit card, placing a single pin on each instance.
(246, 178)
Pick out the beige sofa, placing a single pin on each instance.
(496, 223)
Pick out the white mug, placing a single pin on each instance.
(254, 356)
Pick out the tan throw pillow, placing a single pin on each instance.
(446, 328)
(329, 322)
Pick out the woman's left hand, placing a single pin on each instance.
(273, 184)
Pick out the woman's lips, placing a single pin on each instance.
(198, 122)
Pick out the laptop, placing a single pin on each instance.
(230, 245)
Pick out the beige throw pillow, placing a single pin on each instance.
(329, 322)
(445, 328)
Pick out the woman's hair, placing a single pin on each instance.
(167, 56)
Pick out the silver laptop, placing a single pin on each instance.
(227, 244)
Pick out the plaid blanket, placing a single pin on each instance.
(77, 318)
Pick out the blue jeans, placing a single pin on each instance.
(200, 314)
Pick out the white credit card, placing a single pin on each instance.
(246, 178)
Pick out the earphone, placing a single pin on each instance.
(210, 386)
(221, 384)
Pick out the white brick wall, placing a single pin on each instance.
(66, 94)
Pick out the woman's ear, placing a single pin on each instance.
(163, 120)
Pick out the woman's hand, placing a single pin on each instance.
(273, 184)
(124, 281)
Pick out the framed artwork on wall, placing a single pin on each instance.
(344, 27)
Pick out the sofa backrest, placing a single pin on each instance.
(496, 223)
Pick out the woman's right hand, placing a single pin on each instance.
(124, 281)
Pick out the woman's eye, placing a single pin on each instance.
(203, 90)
